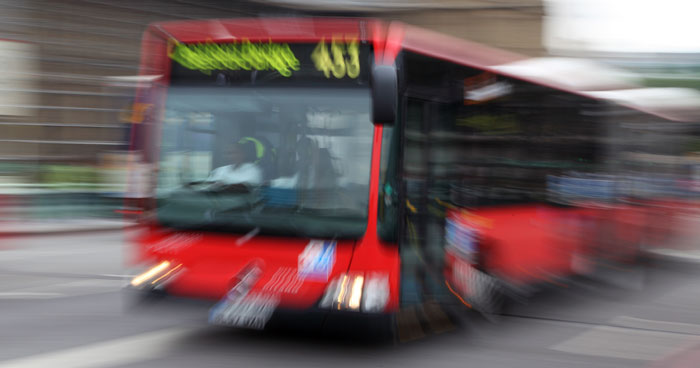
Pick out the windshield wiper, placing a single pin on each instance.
(245, 238)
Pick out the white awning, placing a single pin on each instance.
(574, 74)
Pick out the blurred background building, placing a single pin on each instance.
(69, 70)
(69, 66)
(61, 102)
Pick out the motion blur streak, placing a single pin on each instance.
(356, 293)
(342, 290)
(520, 177)
(166, 274)
(457, 295)
(151, 273)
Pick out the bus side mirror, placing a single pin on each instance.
(385, 94)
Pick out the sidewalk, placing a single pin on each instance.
(35, 227)
(26, 211)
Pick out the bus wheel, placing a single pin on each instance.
(493, 302)
(488, 295)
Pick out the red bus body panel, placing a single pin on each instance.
(539, 243)
(210, 261)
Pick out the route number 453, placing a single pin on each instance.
(342, 59)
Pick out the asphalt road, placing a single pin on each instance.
(61, 306)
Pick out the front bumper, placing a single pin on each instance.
(332, 323)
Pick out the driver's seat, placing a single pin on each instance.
(266, 156)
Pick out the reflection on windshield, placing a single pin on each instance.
(289, 161)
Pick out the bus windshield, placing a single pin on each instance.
(284, 161)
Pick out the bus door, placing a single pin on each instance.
(421, 249)
(426, 104)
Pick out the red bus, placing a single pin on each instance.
(352, 167)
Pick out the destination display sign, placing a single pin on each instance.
(338, 59)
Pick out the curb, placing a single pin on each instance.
(67, 229)
(675, 255)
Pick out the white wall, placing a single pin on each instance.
(18, 74)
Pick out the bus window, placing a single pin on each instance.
(222, 147)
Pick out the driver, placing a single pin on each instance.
(243, 170)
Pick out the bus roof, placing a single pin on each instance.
(578, 77)
(279, 29)
(575, 74)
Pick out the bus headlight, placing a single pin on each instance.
(155, 275)
(357, 292)
(376, 294)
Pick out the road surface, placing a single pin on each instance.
(61, 306)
